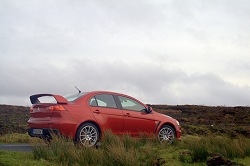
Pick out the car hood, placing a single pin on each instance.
(163, 117)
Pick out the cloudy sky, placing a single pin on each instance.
(159, 51)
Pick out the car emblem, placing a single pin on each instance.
(38, 109)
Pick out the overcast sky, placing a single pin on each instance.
(159, 51)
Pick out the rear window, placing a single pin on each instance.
(47, 99)
(73, 97)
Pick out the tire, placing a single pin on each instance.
(166, 134)
(87, 135)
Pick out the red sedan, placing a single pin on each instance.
(86, 115)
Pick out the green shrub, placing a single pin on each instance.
(186, 157)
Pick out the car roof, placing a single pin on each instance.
(90, 93)
(109, 92)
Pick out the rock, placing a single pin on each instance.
(219, 160)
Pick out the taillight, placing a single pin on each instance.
(31, 109)
(56, 108)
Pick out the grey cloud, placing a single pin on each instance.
(157, 84)
(152, 50)
(150, 83)
(213, 90)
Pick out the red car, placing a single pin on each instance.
(85, 116)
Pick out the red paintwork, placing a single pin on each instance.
(78, 112)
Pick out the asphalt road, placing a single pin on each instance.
(17, 147)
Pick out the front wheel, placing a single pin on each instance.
(166, 134)
(87, 135)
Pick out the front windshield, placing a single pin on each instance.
(73, 97)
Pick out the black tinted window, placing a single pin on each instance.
(103, 100)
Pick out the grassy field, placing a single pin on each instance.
(8, 158)
(208, 133)
(114, 150)
(16, 138)
(195, 120)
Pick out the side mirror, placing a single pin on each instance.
(148, 110)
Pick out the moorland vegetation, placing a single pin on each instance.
(211, 135)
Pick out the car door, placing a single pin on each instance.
(107, 113)
(136, 120)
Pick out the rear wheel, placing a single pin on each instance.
(87, 135)
(166, 134)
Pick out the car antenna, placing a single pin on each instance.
(78, 90)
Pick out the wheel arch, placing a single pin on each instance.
(169, 124)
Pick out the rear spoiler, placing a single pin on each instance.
(59, 99)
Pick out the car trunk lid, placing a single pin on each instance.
(45, 104)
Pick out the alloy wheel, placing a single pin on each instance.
(88, 135)
(166, 135)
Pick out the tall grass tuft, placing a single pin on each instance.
(127, 151)
(199, 152)
(231, 148)
(114, 150)
(200, 148)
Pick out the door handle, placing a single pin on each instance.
(128, 115)
(96, 111)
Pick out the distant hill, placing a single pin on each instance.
(13, 119)
(204, 120)
(207, 115)
(194, 119)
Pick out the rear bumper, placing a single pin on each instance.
(45, 134)
(63, 125)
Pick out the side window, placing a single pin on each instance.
(129, 104)
(93, 102)
(103, 100)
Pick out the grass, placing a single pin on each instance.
(199, 149)
(8, 158)
(16, 138)
(114, 150)
(200, 141)
(124, 150)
